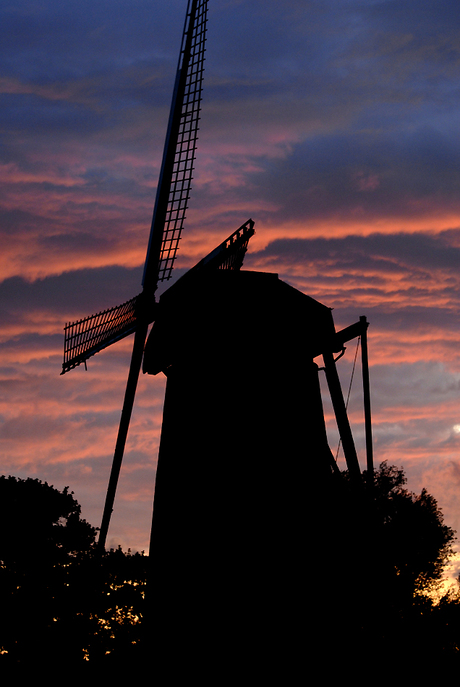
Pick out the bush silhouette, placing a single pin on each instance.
(62, 602)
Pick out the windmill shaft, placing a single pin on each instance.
(136, 360)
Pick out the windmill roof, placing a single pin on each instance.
(224, 312)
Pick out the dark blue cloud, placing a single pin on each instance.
(80, 290)
(403, 283)
(379, 251)
(427, 17)
(54, 40)
(381, 174)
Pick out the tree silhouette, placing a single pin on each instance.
(62, 602)
(415, 544)
(40, 525)
(392, 547)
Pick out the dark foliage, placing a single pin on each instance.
(62, 602)
(415, 544)
(392, 550)
(40, 524)
(374, 559)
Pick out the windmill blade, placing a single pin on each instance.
(179, 153)
(88, 336)
(228, 255)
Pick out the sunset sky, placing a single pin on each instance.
(334, 124)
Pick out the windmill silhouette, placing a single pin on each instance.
(238, 350)
(243, 439)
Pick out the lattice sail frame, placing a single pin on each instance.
(229, 255)
(84, 338)
(185, 149)
(179, 154)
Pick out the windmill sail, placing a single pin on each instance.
(228, 255)
(92, 334)
(179, 153)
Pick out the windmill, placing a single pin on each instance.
(238, 350)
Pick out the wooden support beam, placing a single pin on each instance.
(340, 411)
(367, 402)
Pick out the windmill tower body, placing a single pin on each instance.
(243, 440)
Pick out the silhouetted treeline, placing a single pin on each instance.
(62, 603)
(376, 560)
(385, 604)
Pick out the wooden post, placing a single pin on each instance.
(340, 410)
(367, 402)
